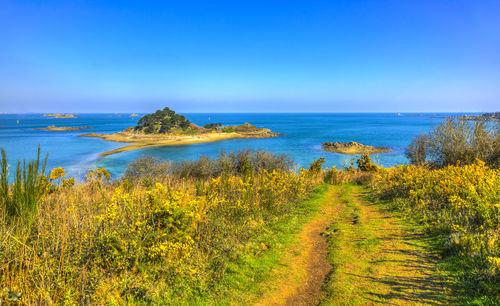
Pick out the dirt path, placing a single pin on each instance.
(376, 259)
(306, 263)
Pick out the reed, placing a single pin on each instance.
(20, 200)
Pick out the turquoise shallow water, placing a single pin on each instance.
(304, 134)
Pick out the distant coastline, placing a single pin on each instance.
(61, 116)
(493, 116)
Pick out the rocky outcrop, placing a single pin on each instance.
(353, 148)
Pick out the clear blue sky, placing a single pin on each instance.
(249, 56)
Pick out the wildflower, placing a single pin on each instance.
(69, 182)
(57, 173)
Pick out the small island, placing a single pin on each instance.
(353, 148)
(134, 115)
(166, 128)
(63, 128)
(60, 116)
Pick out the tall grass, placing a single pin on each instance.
(21, 198)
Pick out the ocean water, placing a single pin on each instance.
(303, 135)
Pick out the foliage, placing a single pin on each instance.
(228, 130)
(418, 150)
(242, 162)
(145, 169)
(162, 121)
(316, 166)
(365, 163)
(68, 182)
(56, 173)
(212, 126)
(457, 140)
(98, 174)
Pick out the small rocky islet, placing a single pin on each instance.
(352, 148)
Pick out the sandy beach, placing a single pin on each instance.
(138, 141)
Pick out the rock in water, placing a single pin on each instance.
(353, 148)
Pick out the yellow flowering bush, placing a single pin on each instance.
(98, 174)
(144, 226)
(57, 173)
(68, 182)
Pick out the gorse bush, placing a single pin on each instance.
(457, 140)
(167, 242)
(316, 166)
(365, 163)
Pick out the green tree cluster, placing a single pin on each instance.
(162, 121)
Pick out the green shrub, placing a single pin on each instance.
(242, 162)
(212, 126)
(316, 166)
(365, 163)
(457, 141)
(146, 169)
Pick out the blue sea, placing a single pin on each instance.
(303, 135)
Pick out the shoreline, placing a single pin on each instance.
(139, 141)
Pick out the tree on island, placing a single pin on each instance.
(162, 121)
